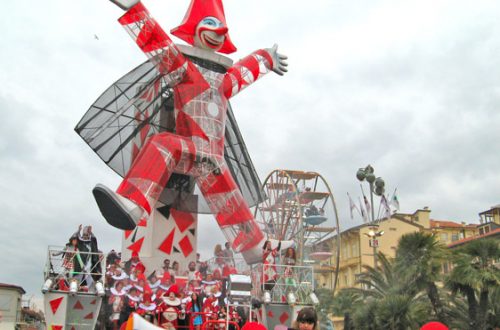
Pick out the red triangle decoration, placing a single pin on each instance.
(136, 247)
(166, 245)
(142, 223)
(78, 305)
(93, 302)
(127, 233)
(57, 327)
(89, 316)
(182, 219)
(54, 304)
(284, 317)
(186, 246)
(270, 314)
(73, 328)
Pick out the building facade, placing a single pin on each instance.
(10, 306)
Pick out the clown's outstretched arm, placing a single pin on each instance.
(254, 66)
(152, 40)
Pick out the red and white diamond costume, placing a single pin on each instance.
(200, 104)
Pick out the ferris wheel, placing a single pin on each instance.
(300, 206)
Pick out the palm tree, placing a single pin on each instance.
(419, 258)
(388, 301)
(475, 275)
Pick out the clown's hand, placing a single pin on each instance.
(125, 4)
(279, 60)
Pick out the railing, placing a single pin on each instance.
(239, 264)
(68, 270)
(219, 324)
(283, 283)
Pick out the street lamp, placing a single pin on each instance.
(377, 187)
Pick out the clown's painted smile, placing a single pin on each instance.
(210, 34)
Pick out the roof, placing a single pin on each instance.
(395, 216)
(450, 224)
(12, 286)
(468, 239)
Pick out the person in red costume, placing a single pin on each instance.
(169, 308)
(200, 104)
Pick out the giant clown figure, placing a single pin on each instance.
(196, 148)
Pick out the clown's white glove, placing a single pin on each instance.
(279, 60)
(125, 4)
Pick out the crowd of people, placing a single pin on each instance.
(168, 296)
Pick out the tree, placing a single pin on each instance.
(419, 258)
(475, 275)
(388, 301)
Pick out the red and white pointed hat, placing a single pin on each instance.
(198, 10)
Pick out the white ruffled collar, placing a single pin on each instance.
(117, 293)
(136, 299)
(147, 308)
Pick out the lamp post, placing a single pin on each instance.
(377, 187)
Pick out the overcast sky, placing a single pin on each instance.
(411, 87)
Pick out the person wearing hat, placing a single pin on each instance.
(201, 99)
(130, 304)
(147, 308)
(170, 308)
(130, 264)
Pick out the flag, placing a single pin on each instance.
(385, 205)
(352, 206)
(367, 204)
(395, 201)
(363, 212)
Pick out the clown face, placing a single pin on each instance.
(210, 34)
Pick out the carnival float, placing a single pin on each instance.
(168, 129)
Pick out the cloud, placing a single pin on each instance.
(410, 88)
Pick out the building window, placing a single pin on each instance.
(486, 229)
(481, 231)
(354, 248)
(454, 237)
(444, 237)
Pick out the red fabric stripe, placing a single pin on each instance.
(267, 56)
(134, 14)
(251, 63)
(151, 37)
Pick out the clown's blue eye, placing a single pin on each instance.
(211, 21)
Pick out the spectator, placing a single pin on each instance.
(289, 260)
(129, 264)
(195, 307)
(219, 255)
(307, 319)
(228, 254)
(116, 301)
(175, 268)
(270, 273)
(147, 308)
(130, 304)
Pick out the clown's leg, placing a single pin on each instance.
(144, 182)
(232, 213)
